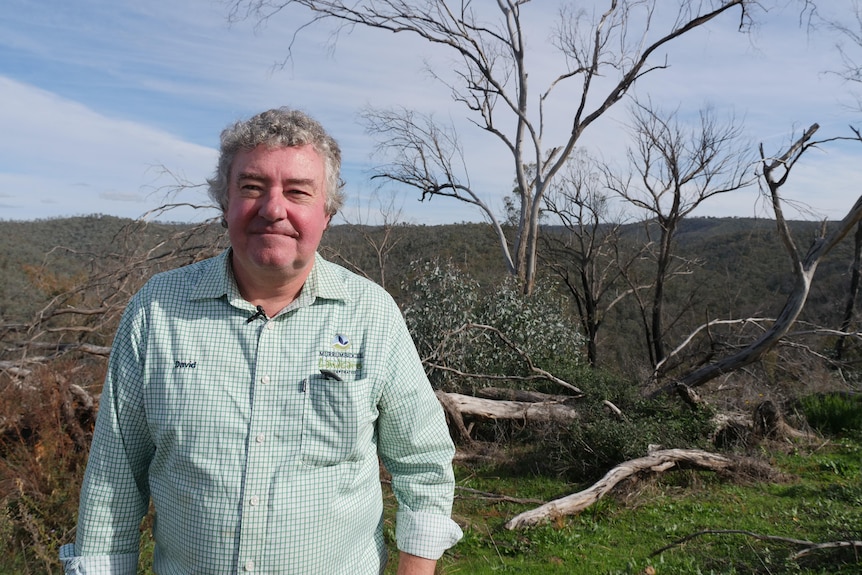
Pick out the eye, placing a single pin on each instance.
(297, 192)
(250, 189)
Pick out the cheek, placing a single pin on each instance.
(312, 221)
(237, 212)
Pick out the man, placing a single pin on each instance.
(249, 396)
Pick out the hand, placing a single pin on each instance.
(413, 565)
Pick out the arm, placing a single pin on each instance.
(415, 446)
(413, 565)
(115, 494)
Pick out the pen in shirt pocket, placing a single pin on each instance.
(330, 375)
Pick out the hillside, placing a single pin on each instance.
(739, 270)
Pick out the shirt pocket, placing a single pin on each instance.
(337, 422)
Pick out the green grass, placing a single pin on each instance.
(819, 501)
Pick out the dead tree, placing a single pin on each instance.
(381, 239)
(676, 169)
(603, 55)
(82, 319)
(775, 172)
(852, 293)
(588, 255)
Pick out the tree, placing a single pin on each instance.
(588, 255)
(603, 53)
(851, 31)
(676, 168)
(381, 239)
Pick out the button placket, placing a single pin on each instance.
(258, 462)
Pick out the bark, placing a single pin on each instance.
(523, 395)
(853, 291)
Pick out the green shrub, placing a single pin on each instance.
(440, 300)
(833, 413)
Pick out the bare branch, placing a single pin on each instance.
(490, 79)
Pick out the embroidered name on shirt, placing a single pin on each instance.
(187, 364)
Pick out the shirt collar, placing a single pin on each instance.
(323, 282)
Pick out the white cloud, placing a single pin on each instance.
(67, 159)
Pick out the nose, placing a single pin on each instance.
(272, 206)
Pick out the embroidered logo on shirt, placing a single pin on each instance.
(340, 341)
(339, 359)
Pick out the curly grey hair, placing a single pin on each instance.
(279, 127)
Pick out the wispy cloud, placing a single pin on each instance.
(84, 161)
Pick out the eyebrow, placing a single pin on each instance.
(291, 181)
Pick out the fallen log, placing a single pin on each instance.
(809, 546)
(655, 462)
(503, 409)
(527, 396)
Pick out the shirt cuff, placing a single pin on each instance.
(124, 564)
(425, 535)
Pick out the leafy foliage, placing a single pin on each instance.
(833, 413)
(448, 313)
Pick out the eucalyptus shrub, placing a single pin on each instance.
(440, 300)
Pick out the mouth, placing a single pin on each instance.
(272, 232)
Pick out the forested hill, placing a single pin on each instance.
(743, 255)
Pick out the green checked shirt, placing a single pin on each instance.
(258, 441)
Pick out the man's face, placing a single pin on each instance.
(275, 213)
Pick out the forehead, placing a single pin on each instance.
(282, 162)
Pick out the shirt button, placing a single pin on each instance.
(264, 379)
(248, 565)
(270, 325)
(259, 438)
(254, 500)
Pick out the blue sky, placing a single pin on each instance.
(106, 104)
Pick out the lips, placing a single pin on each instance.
(275, 232)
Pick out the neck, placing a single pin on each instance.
(273, 290)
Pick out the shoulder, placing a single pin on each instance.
(184, 282)
(353, 287)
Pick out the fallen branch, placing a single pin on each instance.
(497, 496)
(827, 545)
(758, 536)
(655, 462)
(810, 546)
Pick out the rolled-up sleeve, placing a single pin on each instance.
(123, 564)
